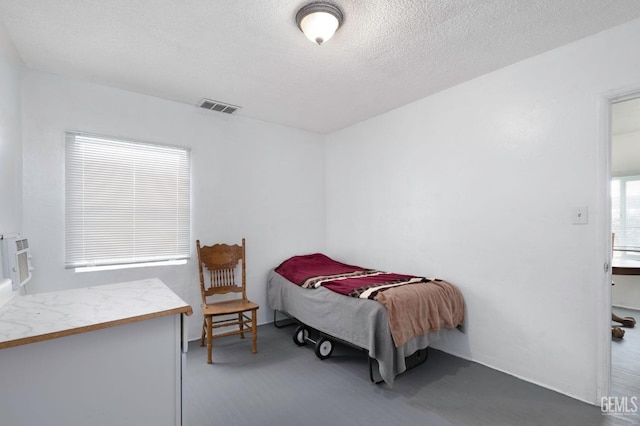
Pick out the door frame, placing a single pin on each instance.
(603, 236)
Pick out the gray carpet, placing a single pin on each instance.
(284, 384)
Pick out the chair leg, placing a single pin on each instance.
(254, 332)
(209, 340)
(204, 329)
(241, 324)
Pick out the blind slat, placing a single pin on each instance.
(126, 201)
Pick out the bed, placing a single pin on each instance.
(315, 290)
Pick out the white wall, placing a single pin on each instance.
(10, 138)
(476, 185)
(249, 179)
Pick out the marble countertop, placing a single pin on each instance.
(43, 316)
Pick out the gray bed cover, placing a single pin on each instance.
(361, 322)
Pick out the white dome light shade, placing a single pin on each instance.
(319, 21)
(319, 27)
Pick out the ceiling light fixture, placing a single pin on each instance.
(319, 21)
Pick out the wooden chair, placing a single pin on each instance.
(218, 266)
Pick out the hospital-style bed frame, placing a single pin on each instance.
(323, 344)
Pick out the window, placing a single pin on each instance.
(126, 202)
(625, 212)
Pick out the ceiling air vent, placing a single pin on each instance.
(218, 106)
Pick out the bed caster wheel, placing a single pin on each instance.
(422, 355)
(301, 335)
(324, 347)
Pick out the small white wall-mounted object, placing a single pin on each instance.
(580, 215)
(16, 260)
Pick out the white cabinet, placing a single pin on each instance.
(125, 371)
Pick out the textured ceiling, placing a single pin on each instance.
(250, 52)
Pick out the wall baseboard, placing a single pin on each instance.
(634, 308)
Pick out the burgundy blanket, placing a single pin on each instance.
(315, 270)
(297, 269)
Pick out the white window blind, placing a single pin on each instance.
(625, 212)
(126, 202)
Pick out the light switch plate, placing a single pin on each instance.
(581, 215)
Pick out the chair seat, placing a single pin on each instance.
(229, 307)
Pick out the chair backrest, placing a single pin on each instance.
(217, 265)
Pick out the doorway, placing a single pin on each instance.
(625, 224)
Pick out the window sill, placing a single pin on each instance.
(130, 265)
